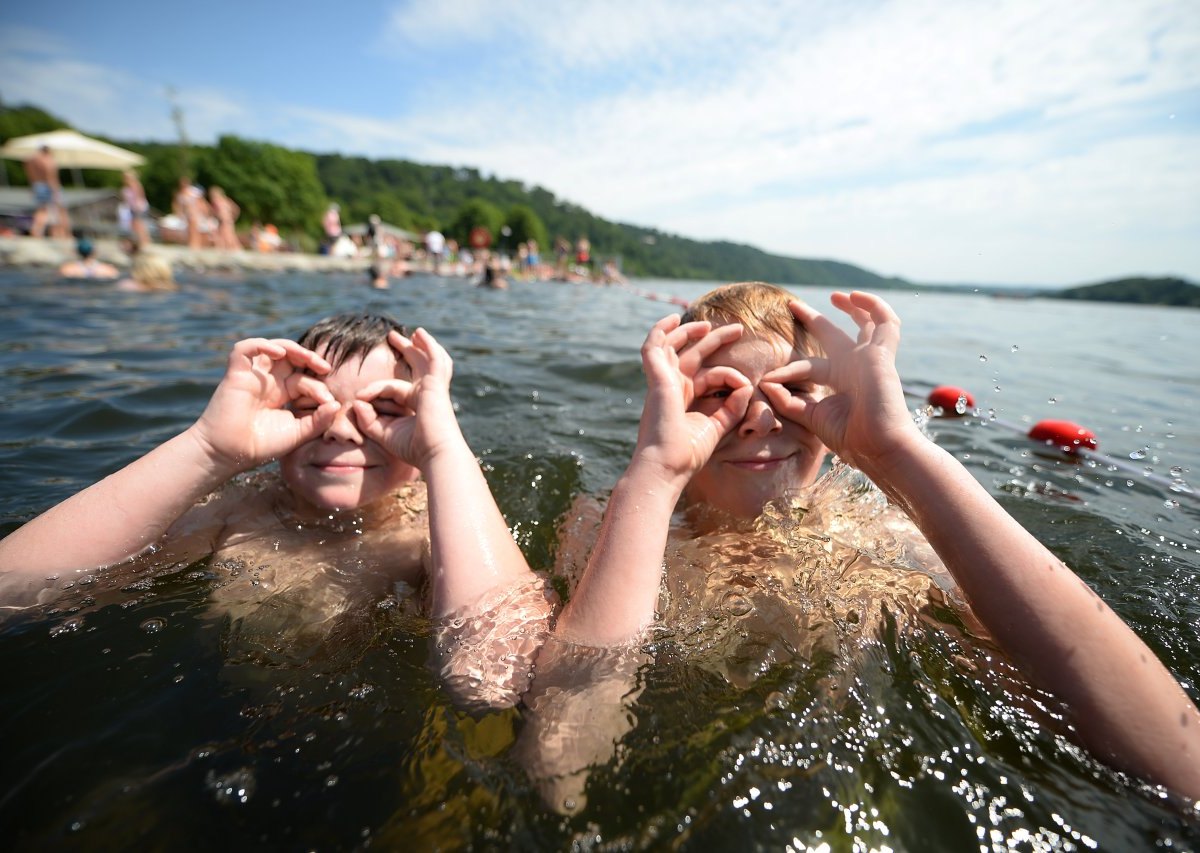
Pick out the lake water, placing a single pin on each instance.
(128, 724)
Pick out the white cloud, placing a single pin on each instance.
(909, 96)
(1066, 220)
(583, 34)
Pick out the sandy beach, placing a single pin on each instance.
(36, 252)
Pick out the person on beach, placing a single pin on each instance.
(331, 223)
(747, 393)
(189, 205)
(378, 270)
(435, 247)
(583, 257)
(533, 260)
(562, 258)
(42, 172)
(135, 209)
(225, 211)
(87, 265)
(376, 487)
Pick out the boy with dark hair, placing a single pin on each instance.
(357, 413)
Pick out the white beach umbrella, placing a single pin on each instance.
(71, 150)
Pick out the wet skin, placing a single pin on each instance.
(765, 455)
(343, 469)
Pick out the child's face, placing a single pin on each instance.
(765, 455)
(343, 469)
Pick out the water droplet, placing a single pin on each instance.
(237, 787)
(1015, 347)
(331, 780)
(983, 358)
(1171, 504)
(775, 701)
(1052, 400)
(361, 691)
(153, 625)
(1139, 454)
(68, 626)
(960, 405)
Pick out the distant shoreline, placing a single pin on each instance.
(37, 252)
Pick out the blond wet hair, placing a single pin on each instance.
(760, 307)
(152, 272)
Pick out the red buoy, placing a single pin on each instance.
(946, 398)
(1064, 435)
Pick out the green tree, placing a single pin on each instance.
(474, 212)
(390, 208)
(270, 183)
(526, 225)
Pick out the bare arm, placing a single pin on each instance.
(117, 517)
(492, 610)
(578, 710)
(473, 551)
(617, 594)
(244, 425)
(1125, 705)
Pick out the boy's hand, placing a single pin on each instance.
(413, 419)
(247, 422)
(865, 418)
(671, 436)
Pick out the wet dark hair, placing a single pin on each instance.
(345, 336)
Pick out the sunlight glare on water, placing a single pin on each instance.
(810, 687)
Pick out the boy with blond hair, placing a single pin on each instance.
(746, 392)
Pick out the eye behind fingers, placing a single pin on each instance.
(304, 405)
(386, 408)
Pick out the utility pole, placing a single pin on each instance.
(177, 118)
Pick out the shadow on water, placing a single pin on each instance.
(138, 715)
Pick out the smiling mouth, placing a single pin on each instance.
(341, 467)
(757, 464)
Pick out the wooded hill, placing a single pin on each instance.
(1149, 291)
(292, 189)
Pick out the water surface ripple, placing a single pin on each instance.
(138, 717)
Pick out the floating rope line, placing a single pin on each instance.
(1067, 437)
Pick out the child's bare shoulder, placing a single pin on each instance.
(243, 505)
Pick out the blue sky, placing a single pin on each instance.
(986, 141)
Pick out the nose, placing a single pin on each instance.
(760, 418)
(344, 427)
